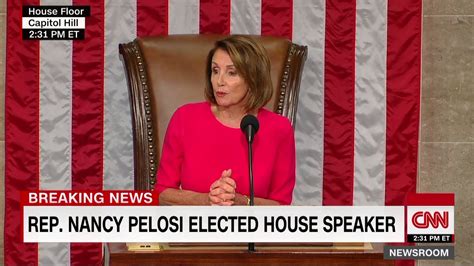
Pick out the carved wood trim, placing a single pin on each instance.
(144, 141)
(290, 82)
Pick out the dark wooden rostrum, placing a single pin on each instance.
(266, 254)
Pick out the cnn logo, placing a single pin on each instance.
(430, 219)
(424, 219)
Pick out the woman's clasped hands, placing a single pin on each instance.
(223, 191)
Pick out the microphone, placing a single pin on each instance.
(249, 125)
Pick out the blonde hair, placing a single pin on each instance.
(253, 65)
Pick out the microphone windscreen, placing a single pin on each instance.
(249, 120)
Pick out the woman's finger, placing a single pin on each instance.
(217, 191)
(227, 203)
(215, 184)
(230, 181)
(226, 173)
(227, 188)
(226, 196)
(214, 199)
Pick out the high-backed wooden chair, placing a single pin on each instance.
(169, 71)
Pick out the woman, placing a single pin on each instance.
(204, 158)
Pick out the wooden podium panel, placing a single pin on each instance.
(266, 254)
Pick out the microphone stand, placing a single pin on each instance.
(251, 246)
